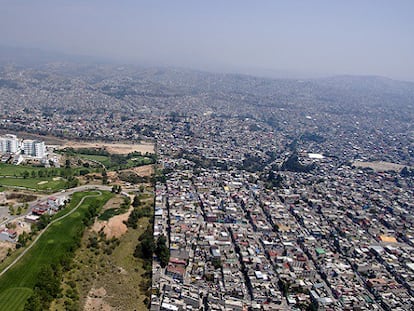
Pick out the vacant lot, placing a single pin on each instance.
(114, 163)
(145, 170)
(106, 276)
(113, 148)
(379, 166)
(17, 284)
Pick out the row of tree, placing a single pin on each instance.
(42, 173)
(147, 247)
(138, 212)
(47, 288)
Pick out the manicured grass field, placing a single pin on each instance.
(36, 178)
(17, 284)
(34, 183)
(105, 160)
(17, 170)
(11, 299)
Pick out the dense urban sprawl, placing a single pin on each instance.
(278, 194)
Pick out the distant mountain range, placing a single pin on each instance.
(167, 81)
(374, 83)
(31, 56)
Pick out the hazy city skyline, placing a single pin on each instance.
(292, 38)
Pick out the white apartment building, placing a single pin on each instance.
(9, 144)
(34, 148)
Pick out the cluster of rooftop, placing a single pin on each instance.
(336, 237)
(279, 194)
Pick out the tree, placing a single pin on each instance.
(104, 177)
(22, 239)
(71, 182)
(11, 225)
(136, 201)
(46, 288)
(83, 172)
(132, 219)
(33, 303)
(284, 286)
(216, 263)
(292, 164)
(146, 247)
(44, 220)
(162, 251)
(273, 180)
(48, 284)
(118, 159)
(405, 172)
(116, 189)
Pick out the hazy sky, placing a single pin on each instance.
(303, 37)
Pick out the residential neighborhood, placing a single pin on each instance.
(270, 194)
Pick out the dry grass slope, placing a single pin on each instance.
(105, 274)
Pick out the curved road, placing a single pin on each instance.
(51, 223)
(65, 192)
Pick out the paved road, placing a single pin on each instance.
(44, 230)
(56, 194)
